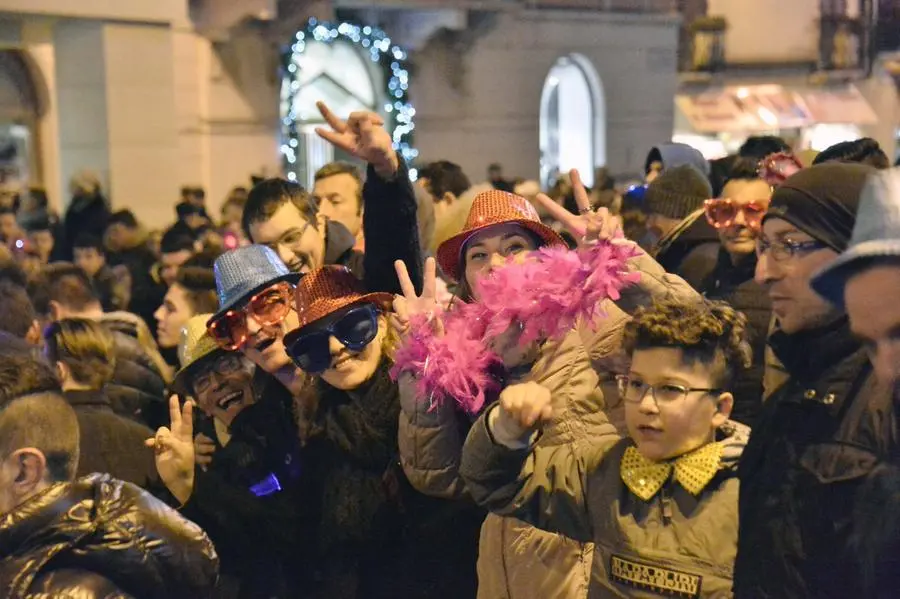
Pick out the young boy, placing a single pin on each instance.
(661, 505)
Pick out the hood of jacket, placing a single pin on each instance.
(676, 154)
(101, 526)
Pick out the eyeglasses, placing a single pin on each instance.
(226, 364)
(355, 329)
(268, 308)
(782, 250)
(634, 390)
(722, 213)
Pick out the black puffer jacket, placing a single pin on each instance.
(102, 538)
(138, 388)
(816, 443)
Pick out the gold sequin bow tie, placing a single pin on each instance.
(693, 471)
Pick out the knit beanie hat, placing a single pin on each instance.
(677, 192)
(822, 201)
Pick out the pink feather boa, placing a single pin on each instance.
(546, 295)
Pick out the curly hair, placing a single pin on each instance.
(706, 331)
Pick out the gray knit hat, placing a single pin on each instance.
(677, 192)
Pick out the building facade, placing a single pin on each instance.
(155, 94)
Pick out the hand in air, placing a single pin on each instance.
(410, 304)
(174, 447)
(363, 135)
(524, 408)
(588, 225)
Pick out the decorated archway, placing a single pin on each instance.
(349, 67)
(572, 121)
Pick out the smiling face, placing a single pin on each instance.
(739, 239)
(671, 429)
(349, 369)
(265, 343)
(489, 249)
(299, 244)
(223, 387)
(796, 306)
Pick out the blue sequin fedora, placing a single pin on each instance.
(876, 235)
(242, 272)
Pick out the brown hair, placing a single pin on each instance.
(85, 347)
(46, 422)
(707, 331)
(333, 169)
(269, 195)
(199, 284)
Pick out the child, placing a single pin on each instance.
(577, 370)
(661, 505)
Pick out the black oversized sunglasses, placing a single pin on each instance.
(355, 329)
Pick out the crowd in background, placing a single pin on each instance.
(222, 408)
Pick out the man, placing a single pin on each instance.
(668, 156)
(681, 240)
(138, 386)
(128, 247)
(337, 191)
(17, 315)
(9, 226)
(737, 217)
(864, 150)
(82, 352)
(138, 546)
(42, 233)
(112, 285)
(445, 182)
(820, 435)
(865, 281)
(175, 248)
(279, 214)
(496, 179)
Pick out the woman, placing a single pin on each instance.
(193, 292)
(371, 535)
(515, 559)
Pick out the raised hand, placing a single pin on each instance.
(411, 304)
(363, 135)
(174, 447)
(588, 225)
(524, 408)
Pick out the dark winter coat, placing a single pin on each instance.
(87, 214)
(815, 445)
(247, 502)
(99, 537)
(110, 443)
(137, 389)
(734, 284)
(690, 250)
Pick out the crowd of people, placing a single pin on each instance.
(379, 389)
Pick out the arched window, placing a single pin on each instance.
(573, 120)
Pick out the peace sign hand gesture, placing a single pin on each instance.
(409, 304)
(363, 135)
(588, 225)
(175, 450)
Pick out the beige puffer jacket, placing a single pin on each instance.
(516, 560)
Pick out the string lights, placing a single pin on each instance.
(376, 44)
